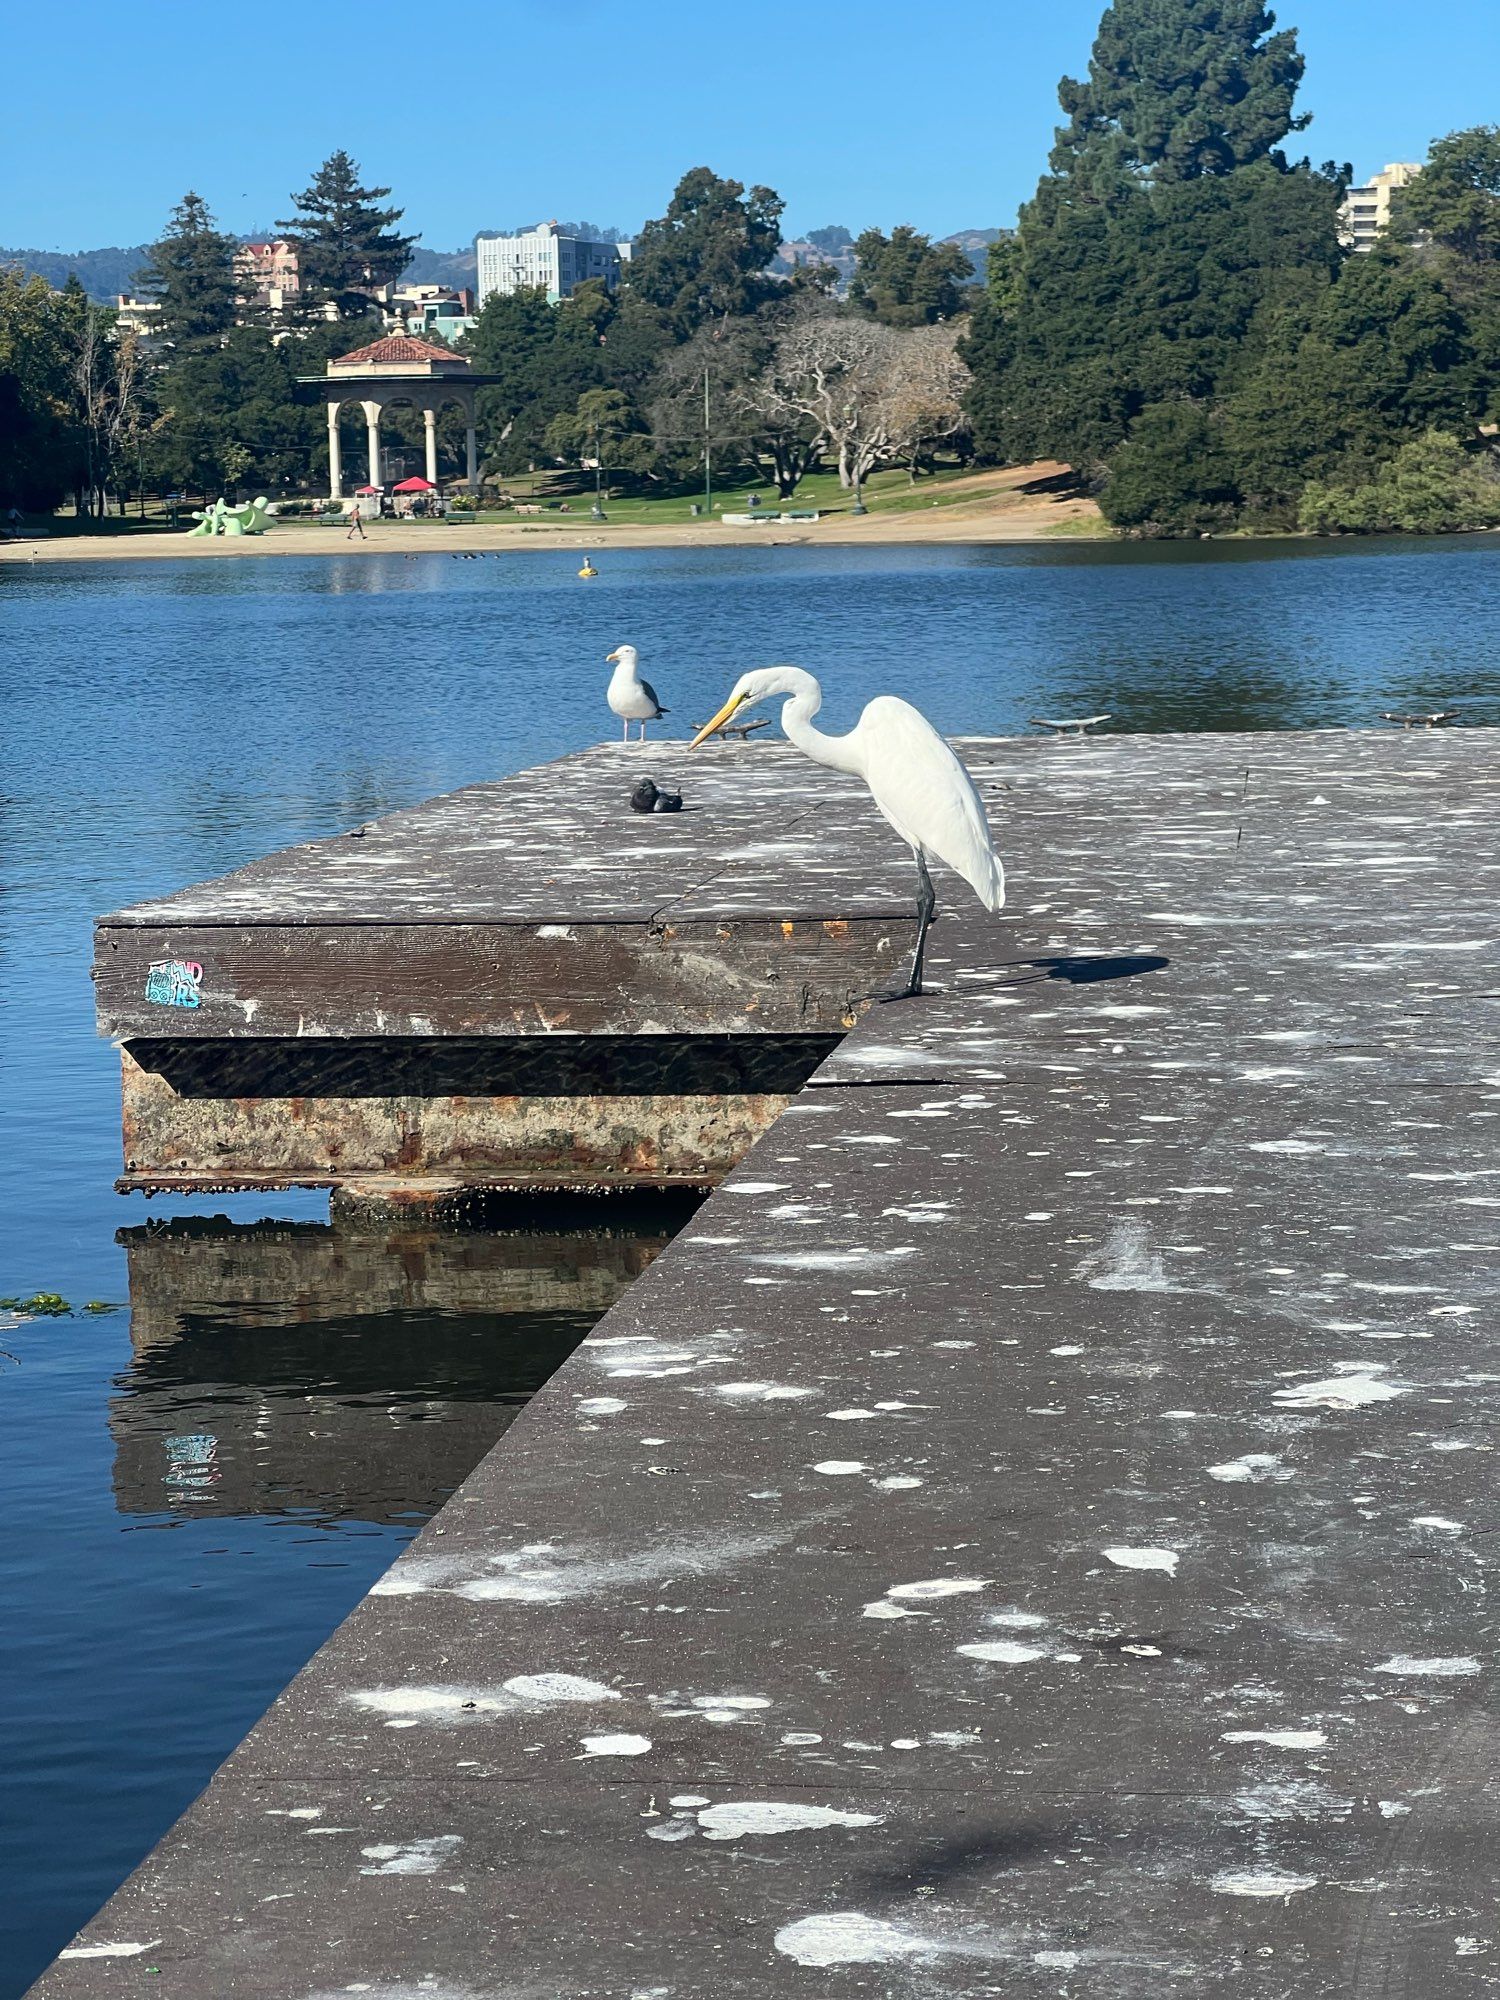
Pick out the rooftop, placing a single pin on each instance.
(399, 351)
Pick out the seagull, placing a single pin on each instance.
(914, 778)
(631, 698)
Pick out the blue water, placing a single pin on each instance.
(189, 1515)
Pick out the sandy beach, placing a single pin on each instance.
(1000, 510)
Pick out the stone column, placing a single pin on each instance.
(471, 448)
(429, 428)
(372, 436)
(335, 468)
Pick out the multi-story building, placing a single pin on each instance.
(134, 315)
(1365, 212)
(444, 310)
(543, 257)
(268, 273)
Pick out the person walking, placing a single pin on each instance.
(356, 524)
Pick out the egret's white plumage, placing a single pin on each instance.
(914, 777)
(631, 698)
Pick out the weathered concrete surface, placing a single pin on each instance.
(1030, 1534)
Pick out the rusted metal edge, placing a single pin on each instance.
(665, 916)
(412, 1189)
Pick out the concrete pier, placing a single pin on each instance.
(1030, 1533)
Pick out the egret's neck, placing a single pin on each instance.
(839, 753)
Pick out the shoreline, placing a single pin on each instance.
(998, 513)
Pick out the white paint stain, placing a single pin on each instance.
(1359, 1384)
(1261, 1882)
(109, 1950)
(847, 1937)
(736, 1821)
(839, 1468)
(601, 1406)
(938, 1586)
(443, 1704)
(1165, 1560)
(1280, 1739)
(1449, 1667)
(1003, 1652)
(412, 1857)
(1251, 1470)
(616, 1746)
(898, 1482)
(1125, 1262)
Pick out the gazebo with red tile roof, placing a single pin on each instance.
(399, 368)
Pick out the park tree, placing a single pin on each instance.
(1384, 356)
(37, 443)
(831, 239)
(545, 357)
(347, 245)
(905, 279)
(1432, 486)
(715, 391)
(1455, 201)
(1178, 90)
(830, 368)
(108, 381)
(924, 395)
(603, 428)
(190, 271)
(706, 257)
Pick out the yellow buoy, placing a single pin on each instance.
(588, 568)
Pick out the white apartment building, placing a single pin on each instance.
(1366, 211)
(544, 256)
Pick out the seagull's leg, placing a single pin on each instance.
(625, 730)
(926, 910)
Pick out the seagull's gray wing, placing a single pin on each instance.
(651, 695)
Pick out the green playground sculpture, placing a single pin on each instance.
(222, 519)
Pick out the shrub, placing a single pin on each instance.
(1432, 486)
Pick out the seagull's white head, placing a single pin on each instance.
(760, 685)
(622, 656)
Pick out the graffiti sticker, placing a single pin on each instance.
(174, 982)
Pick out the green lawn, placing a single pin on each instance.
(884, 492)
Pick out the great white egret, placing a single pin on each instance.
(631, 698)
(914, 778)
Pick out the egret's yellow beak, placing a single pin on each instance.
(735, 701)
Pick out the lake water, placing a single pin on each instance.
(196, 1492)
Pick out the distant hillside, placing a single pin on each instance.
(975, 244)
(106, 273)
(102, 273)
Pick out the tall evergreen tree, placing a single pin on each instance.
(190, 269)
(706, 257)
(1180, 89)
(906, 279)
(347, 245)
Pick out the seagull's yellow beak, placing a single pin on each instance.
(611, 659)
(735, 701)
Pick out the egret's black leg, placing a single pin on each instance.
(926, 910)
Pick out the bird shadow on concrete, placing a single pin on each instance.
(962, 1854)
(1080, 971)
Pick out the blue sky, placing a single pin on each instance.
(490, 113)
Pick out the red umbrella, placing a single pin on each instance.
(415, 486)
(369, 489)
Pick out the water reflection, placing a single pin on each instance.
(293, 1367)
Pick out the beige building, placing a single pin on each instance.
(268, 273)
(1365, 212)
